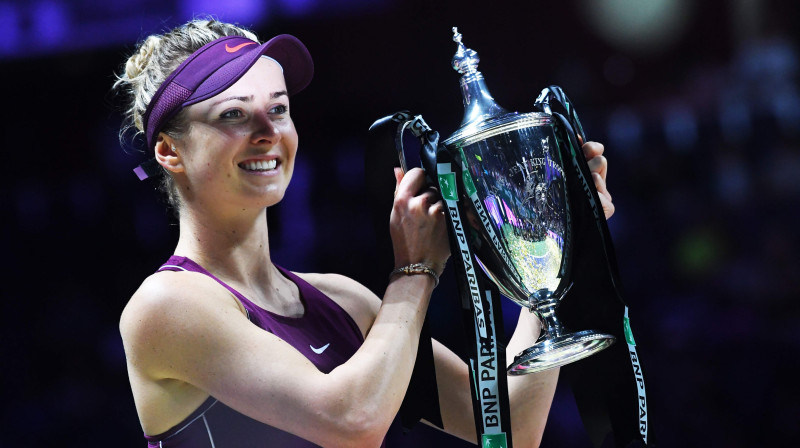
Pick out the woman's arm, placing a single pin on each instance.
(530, 395)
(183, 326)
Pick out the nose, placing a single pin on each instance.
(265, 131)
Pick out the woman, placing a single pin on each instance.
(334, 363)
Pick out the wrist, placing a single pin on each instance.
(416, 269)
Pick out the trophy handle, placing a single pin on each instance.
(557, 93)
(569, 129)
(428, 138)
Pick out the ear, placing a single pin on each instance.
(167, 154)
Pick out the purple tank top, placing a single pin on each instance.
(325, 334)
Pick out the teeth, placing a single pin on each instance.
(260, 165)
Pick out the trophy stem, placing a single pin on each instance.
(556, 346)
(551, 326)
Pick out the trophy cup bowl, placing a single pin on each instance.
(519, 211)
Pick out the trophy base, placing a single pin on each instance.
(560, 350)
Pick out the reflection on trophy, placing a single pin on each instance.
(519, 212)
(519, 200)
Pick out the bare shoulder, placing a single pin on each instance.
(356, 299)
(169, 294)
(186, 337)
(168, 304)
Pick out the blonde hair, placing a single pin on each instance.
(150, 64)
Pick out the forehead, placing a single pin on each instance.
(263, 79)
(265, 76)
(261, 83)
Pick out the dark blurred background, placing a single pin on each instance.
(697, 104)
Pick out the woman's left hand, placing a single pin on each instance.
(598, 165)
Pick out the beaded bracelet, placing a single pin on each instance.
(417, 268)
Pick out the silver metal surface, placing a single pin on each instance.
(558, 351)
(521, 206)
(518, 209)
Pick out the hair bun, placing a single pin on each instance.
(138, 62)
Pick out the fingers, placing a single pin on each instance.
(598, 166)
(605, 202)
(413, 193)
(592, 149)
(593, 152)
(600, 184)
(410, 183)
(417, 222)
(398, 176)
(604, 195)
(413, 186)
(432, 200)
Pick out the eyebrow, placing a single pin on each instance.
(247, 99)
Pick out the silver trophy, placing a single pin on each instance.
(519, 210)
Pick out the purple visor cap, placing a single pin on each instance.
(215, 67)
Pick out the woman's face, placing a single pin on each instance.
(240, 145)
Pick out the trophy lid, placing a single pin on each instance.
(480, 109)
(466, 60)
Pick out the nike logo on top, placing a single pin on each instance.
(319, 350)
(236, 48)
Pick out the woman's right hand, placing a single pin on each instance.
(417, 223)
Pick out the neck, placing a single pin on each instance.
(233, 247)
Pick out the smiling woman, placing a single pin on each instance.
(249, 131)
(159, 90)
(226, 349)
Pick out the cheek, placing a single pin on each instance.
(290, 140)
(289, 131)
(204, 151)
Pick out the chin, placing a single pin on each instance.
(270, 198)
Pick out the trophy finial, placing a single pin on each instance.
(478, 103)
(456, 35)
(465, 60)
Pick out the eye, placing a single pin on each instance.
(229, 114)
(279, 109)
